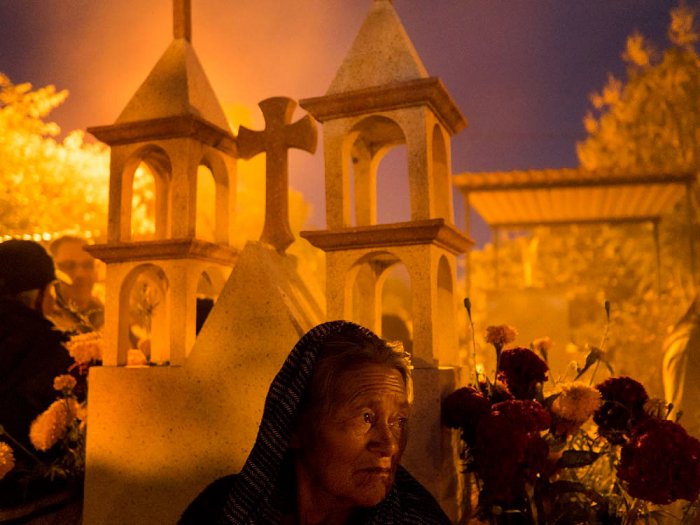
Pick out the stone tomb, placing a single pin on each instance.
(158, 435)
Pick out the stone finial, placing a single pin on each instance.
(278, 136)
(182, 19)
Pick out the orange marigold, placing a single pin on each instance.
(7, 459)
(576, 402)
(64, 382)
(51, 425)
(500, 335)
(85, 348)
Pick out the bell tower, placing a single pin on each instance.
(173, 128)
(382, 97)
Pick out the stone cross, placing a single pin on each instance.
(182, 19)
(278, 136)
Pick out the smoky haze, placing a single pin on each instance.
(520, 71)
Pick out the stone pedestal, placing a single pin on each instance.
(432, 454)
(158, 435)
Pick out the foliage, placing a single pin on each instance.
(48, 186)
(646, 124)
(51, 186)
(652, 121)
(588, 264)
(542, 452)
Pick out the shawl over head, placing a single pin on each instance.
(250, 495)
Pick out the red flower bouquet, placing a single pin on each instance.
(571, 452)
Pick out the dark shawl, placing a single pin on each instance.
(257, 494)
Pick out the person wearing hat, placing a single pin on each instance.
(31, 349)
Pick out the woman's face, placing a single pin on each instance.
(348, 457)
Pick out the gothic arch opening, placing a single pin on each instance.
(206, 297)
(397, 312)
(205, 224)
(378, 292)
(213, 183)
(369, 142)
(441, 175)
(145, 202)
(144, 315)
(447, 347)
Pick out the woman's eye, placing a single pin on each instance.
(367, 418)
(400, 422)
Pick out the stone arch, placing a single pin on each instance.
(446, 326)
(209, 285)
(212, 160)
(441, 174)
(159, 166)
(365, 298)
(144, 299)
(367, 143)
(397, 307)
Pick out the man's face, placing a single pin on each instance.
(79, 265)
(350, 455)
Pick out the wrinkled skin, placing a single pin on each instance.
(347, 458)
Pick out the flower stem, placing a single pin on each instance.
(603, 341)
(19, 445)
(468, 307)
(499, 349)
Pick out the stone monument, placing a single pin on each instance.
(159, 434)
(381, 97)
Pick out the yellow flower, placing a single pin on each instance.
(51, 425)
(7, 459)
(64, 382)
(543, 344)
(576, 402)
(500, 335)
(85, 347)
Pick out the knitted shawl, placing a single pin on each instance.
(249, 495)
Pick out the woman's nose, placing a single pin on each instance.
(385, 439)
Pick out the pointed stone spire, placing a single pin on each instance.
(177, 85)
(182, 19)
(382, 53)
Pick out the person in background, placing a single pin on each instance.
(31, 351)
(330, 441)
(76, 308)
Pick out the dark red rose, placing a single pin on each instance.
(661, 463)
(622, 408)
(463, 409)
(536, 457)
(499, 392)
(499, 453)
(528, 415)
(521, 369)
(623, 390)
(509, 450)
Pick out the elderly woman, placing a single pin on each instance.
(329, 443)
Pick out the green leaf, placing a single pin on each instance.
(577, 458)
(547, 402)
(561, 487)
